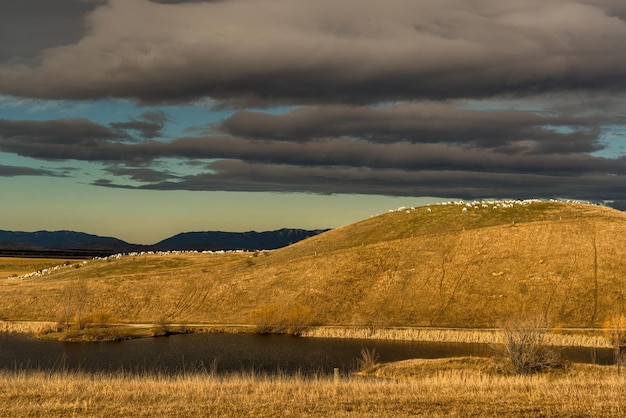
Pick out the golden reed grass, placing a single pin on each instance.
(586, 391)
(440, 335)
(27, 327)
(443, 335)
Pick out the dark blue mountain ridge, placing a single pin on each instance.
(251, 240)
(46, 241)
(58, 240)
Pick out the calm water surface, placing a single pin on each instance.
(229, 353)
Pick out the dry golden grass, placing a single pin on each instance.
(466, 336)
(27, 327)
(559, 261)
(452, 387)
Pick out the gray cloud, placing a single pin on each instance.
(344, 51)
(55, 132)
(148, 125)
(88, 141)
(413, 137)
(421, 122)
(615, 8)
(233, 175)
(29, 26)
(404, 155)
(12, 171)
(339, 164)
(53, 139)
(143, 174)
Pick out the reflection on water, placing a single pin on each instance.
(230, 352)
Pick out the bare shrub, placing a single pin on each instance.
(526, 349)
(72, 305)
(368, 360)
(100, 319)
(266, 319)
(297, 319)
(273, 319)
(162, 327)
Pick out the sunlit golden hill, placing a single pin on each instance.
(472, 265)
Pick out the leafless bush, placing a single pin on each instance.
(273, 319)
(526, 349)
(162, 327)
(368, 360)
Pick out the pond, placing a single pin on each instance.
(225, 353)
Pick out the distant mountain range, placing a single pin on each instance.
(70, 243)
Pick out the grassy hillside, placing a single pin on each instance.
(442, 265)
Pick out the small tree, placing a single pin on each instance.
(73, 304)
(65, 311)
(81, 301)
(615, 332)
(526, 349)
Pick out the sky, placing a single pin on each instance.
(141, 119)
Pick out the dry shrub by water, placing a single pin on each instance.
(368, 360)
(526, 348)
(273, 319)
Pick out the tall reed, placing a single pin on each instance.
(27, 327)
(480, 336)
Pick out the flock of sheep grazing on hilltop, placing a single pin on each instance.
(49, 270)
(43, 272)
(483, 204)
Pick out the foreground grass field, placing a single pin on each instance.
(437, 388)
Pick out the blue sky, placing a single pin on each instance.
(140, 119)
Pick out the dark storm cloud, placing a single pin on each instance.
(65, 139)
(55, 133)
(29, 26)
(612, 7)
(350, 153)
(320, 152)
(233, 175)
(332, 164)
(412, 137)
(79, 139)
(340, 165)
(340, 51)
(12, 171)
(379, 85)
(143, 174)
(420, 122)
